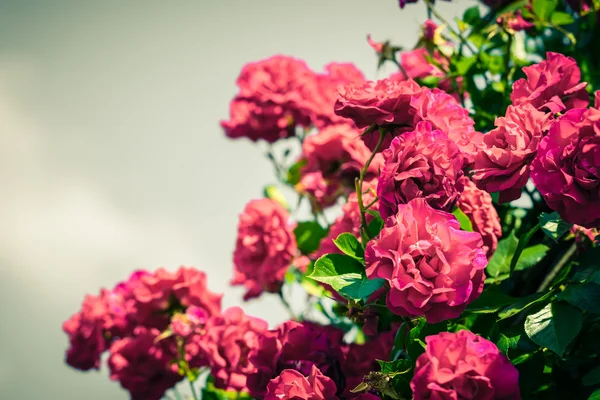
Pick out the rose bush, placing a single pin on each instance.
(462, 263)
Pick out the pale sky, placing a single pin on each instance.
(112, 159)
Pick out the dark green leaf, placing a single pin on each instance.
(554, 326)
(500, 261)
(308, 236)
(345, 275)
(465, 222)
(544, 8)
(523, 304)
(592, 377)
(559, 18)
(395, 367)
(349, 245)
(491, 300)
(553, 226)
(465, 64)
(521, 246)
(531, 256)
(595, 395)
(293, 176)
(589, 261)
(471, 15)
(505, 342)
(376, 224)
(583, 295)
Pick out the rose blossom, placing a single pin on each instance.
(425, 164)
(566, 171)
(463, 365)
(142, 366)
(432, 267)
(264, 249)
(226, 344)
(337, 154)
(477, 205)
(298, 346)
(514, 21)
(161, 291)
(429, 30)
(553, 84)
(184, 324)
(292, 385)
(382, 102)
(503, 165)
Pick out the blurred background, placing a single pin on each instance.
(112, 158)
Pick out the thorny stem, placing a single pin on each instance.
(556, 269)
(359, 189)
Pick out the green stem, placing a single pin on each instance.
(364, 234)
(176, 393)
(401, 68)
(556, 269)
(287, 305)
(193, 390)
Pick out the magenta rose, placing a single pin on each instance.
(264, 249)
(292, 385)
(477, 205)
(163, 291)
(226, 344)
(566, 171)
(463, 365)
(141, 364)
(552, 85)
(432, 267)
(334, 157)
(425, 164)
(504, 163)
(384, 102)
(297, 346)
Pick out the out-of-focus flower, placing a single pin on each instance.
(514, 21)
(264, 249)
(432, 267)
(463, 365)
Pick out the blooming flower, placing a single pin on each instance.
(477, 205)
(227, 343)
(142, 365)
(337, 154)
(425, 164)
(565, 171)
(292, 385)
(553, 85)
(297, 346)
(264, 249)
(503, 165)
(432, 267)
(463, 365)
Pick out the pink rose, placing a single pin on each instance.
(337, 154)
(552, 85)
(264, 249)
(432, 267)
(503, 165)
(292, 385)
(227, 343)
(193, 320)
(477, 205)
(385, 102)
(142, 366)
(514, 21)
(565, 170)
(297, 346)
(164, 290)
(429, 27)
(463, 365)
(420, 164)
(349, 221)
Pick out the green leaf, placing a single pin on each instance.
(523, 304)
(293, 175)
(308, 236)
(491, 300)
(531, 256)
(585, 296)
(500, 261)
(592, 377)
(506, 343)
(210, 392)
(349, 245)
(273, 193)
(595, 395)
(376, 224)
(553, 226)
(554, 326)
(395, 367)
(464, 65)
(544, 8)
(465, 222)
(559, 18)
(472, 15)
(522, 243)
(345, 275)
